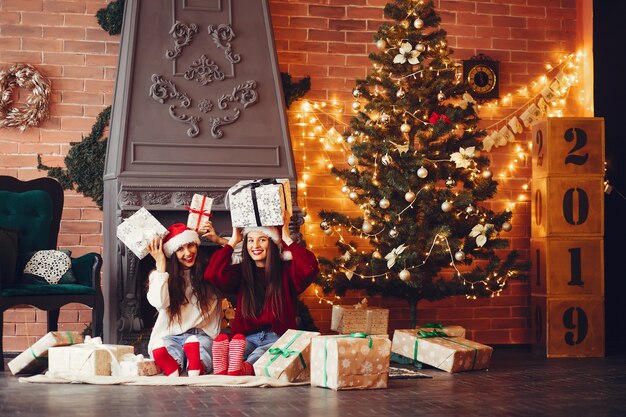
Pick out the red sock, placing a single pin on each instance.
(164, 360)
(247, 369)
(191, 347)
(235, 354)
(220, 354)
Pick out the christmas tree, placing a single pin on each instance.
(418, 176)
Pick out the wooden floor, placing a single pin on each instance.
(517, 384)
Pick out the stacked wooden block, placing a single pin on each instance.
(567, 228)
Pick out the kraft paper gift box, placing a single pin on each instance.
(348, 362)
(451, 354)
(86, 358)
(359, 318)
(199, 211)
(35, 359)
(138, 230)
(289, 358)
(451, 331)
(259, 202)
(134, 365)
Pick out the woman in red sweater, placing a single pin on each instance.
(267, 284)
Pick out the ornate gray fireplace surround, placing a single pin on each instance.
(198, 106)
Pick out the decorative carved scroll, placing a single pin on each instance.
(204, 71)
(244, 93)
(222, 35)
(205, 105)
(182, 34)
(162, 90)
(216, 122)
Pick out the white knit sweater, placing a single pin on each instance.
(191, 314)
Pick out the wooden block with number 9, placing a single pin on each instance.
(566, 146)
(568, 327)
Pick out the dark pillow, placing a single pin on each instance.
(47, 267)
(8, 254)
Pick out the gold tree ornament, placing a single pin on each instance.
(36, 109)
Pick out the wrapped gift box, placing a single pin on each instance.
(451, 331)
(199, 211)
(138, 230)
(86, 358)
(35, 359)
(349, 362)
(259, 202)
(451, 354)
(134, 365)
(289, 358)
(359, 318)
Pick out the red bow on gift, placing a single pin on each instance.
(200, 212)
(434, 118)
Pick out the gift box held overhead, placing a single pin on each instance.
(91, 358)
(356, 361)
(35, 359)
(199, 211)
(138, 230)
(359, 318)
(259, 202)
(451, 354)
(288, 358)
(450, 331)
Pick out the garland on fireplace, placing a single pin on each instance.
(110, 18)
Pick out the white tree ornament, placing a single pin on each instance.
(407, 53)
(463, 157)
(480, 233)
(393, 255)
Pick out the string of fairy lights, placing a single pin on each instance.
(313, 116)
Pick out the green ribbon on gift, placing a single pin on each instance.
(357, 335)
(45, 358)
(421, 334)
(433, 325)
(284, 352)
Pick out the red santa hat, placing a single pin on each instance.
(178, 236)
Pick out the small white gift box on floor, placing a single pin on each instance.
(259, 202)
(138, 230)
(134, 365)
(89, 358)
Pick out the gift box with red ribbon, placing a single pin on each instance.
(199, 211)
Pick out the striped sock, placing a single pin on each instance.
(191, 347)
(235, 354)
(220, 354)
(165, 361)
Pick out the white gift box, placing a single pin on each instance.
(259, 202)
(86, 358)
(199, 211)
(138, 230)
(35, 359)
(135, 365)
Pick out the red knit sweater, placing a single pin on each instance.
(297, 276)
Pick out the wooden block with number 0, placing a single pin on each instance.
(571, 266)
(567, 146)
(567, 206)
(568, 327)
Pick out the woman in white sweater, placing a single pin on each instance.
(189, 308)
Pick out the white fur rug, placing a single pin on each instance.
(199, 381)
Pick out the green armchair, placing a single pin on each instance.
(30, 216)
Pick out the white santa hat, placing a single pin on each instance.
(178, 236)
(273, 233)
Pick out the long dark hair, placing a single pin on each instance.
(254, 296)
(205, 293)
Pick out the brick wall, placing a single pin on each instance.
(326, 39)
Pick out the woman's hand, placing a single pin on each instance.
(236, 237)
(155, 247)
(286, 235)
(208, 231)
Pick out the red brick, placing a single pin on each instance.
(84, 46)
(309, 22)
(327, 11)
(64, 6)
(326, 35)
(73, 33)
(343, 24)
(21, 5)
(364, 12)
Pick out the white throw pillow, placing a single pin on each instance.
(49, 264)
